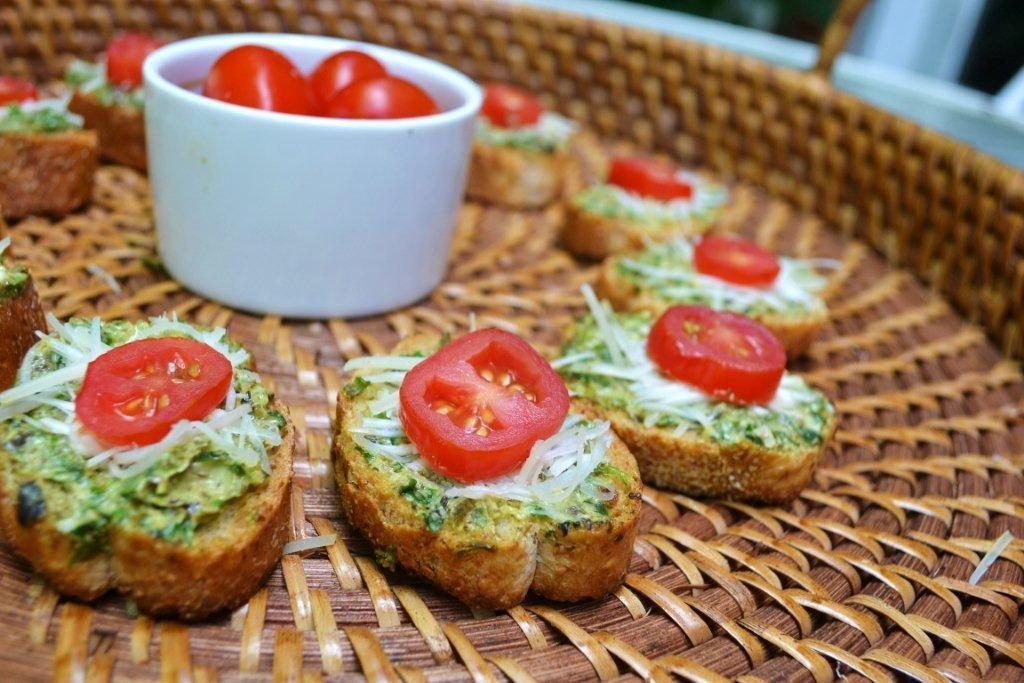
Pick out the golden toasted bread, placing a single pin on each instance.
(492, 564)
(121, 129)
(229, 558)
(515, 177)
(46, 173)
(591, 235)
(20, 317)
(795, 331)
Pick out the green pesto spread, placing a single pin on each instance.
(16, 119)
(92, 78)
(12, 279)
(665, 272)
(549, 135)
(798, 418)
(183, 489)
(480, 518)
(613, 202)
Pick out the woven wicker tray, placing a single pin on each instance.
(864, 576)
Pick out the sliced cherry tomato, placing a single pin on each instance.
(125, 55)
(476, 407)
(14, 90)
(341, 70)
(735, 260)
(510, 107)
(649, 178)
(381, 98)
(725, 355)
(261, 78)
(135, 393)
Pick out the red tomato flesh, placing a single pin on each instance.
(386, 97)
(260, 78)
(476, 407)
(14, 90)
(125, 55)
(341, 70)
(506, 106)
(135, 393)
(725, 355)
(735, 260)
(648, 178)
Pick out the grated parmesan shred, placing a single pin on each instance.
(556, 467)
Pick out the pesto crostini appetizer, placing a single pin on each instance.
(520, 151)
(20, 315)
(47, 162)
(701, 398)
(641, 201)
(108, 96)
(783, 294)
(466, 464)
(146, 458)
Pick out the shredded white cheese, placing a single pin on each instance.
(798, 282)
(303, 544)
(997, 549)
(555, 468)
(231, 428)
(107, 278)
(5, 244)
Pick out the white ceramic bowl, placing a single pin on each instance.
(298, 215)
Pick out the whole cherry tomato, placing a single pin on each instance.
(261, 78)
(341, 70)
(386, 97)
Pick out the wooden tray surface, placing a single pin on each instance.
(864, 575)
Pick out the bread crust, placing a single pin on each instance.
(513, 177)
(699, 467)
(121, 130)
(20, 317)
(590, 235)
(46, 173)
(227, 562)
(796, 332)
(566, 564)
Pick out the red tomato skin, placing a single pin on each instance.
(139, 369)
(703, 357)
(259, 78)
(15, 90)
(507, 106)
(648, 178)
(125, 55)
(450, 374)
(737, 261)
(341, 70)
(387, 97)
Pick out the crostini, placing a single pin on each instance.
(20, 316)
(783, 294)
(520, 151)
(108, 96)
(146, 458)
(701, 398)
(641, 201)
(466, 464)
(47, 162)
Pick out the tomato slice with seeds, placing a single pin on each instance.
(14, 90)
(341, 70)
(725, 355)
(125, 55)
(135, 393)
(507, 106)
(737, 261)
(475, 408)
(649, 178)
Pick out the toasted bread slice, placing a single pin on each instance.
(228, 560)
(701, 467)
(590, 235)
(492, 564)
(20, 317)
(121, 129)
(46, 173)
(796, 331)
(515, 177)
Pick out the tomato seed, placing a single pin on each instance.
(487, 374)
(505, 379)
(483, 431)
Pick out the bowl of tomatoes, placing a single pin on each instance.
(305, 176)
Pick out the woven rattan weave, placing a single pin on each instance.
(864, 576)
